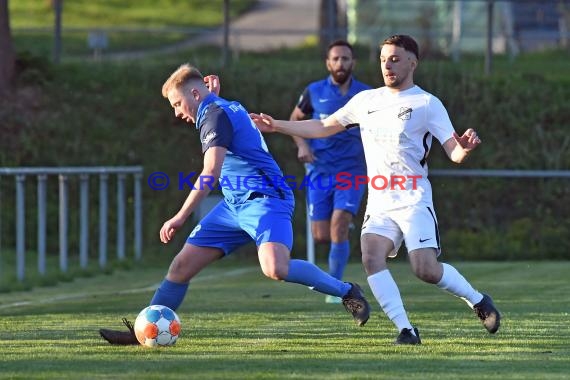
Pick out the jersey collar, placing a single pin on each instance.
(203, 108)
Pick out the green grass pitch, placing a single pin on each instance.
(236, 324)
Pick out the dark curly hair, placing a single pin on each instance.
(403, 41)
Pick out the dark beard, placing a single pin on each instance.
(340, 79)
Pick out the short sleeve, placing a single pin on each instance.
(438, 122)
(304, 102)
(216, 129)
(348, 114)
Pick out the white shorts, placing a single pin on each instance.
(415, 225)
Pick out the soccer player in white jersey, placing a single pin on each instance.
(397, 124)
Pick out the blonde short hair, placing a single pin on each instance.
(179, 78)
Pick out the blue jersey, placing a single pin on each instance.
(340, 152)
(248, 168)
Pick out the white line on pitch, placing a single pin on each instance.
(235, 272)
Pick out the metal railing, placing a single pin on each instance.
(83, 173)
(501, 173)
(449, 173)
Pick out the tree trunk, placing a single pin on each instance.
(327, 23)
(7, 56)
(332, 22)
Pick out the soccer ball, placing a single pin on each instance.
(157, 325)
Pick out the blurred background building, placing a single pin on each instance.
(452, 27)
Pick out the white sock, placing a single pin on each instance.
(456, 284)
(387, 294)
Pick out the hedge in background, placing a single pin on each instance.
(113, 114)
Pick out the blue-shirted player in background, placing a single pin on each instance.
(331, 209)
(258, 210)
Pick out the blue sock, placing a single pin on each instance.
(169, 294)
(338, 258)
(305, 273)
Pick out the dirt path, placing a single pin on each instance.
(271, 24)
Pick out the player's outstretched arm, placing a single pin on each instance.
(263, 122)
(459, 147)
(213, 161)
(309, 129)
(304, 152)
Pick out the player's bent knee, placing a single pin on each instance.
(177, 272)
(274, 260)
(321, 231)
(320, 239)
(275, 273)
(321, 235)
(427, 275)
(373, 264)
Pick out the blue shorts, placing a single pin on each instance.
(262, 219)
(324, 197)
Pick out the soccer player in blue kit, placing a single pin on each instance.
(256, 209)
(332, 207)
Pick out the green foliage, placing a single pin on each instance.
(74, 43)
(129, 24)
(111, 13)
(237, 324)
(503, 218)
(523, 110)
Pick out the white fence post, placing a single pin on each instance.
(103, 220)
(64, 176)
(20, 227)
(42, 222)
(83, 220)
(63, 222)
(138, 217)
(121, 216)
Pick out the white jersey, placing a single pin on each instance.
(397, 130)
